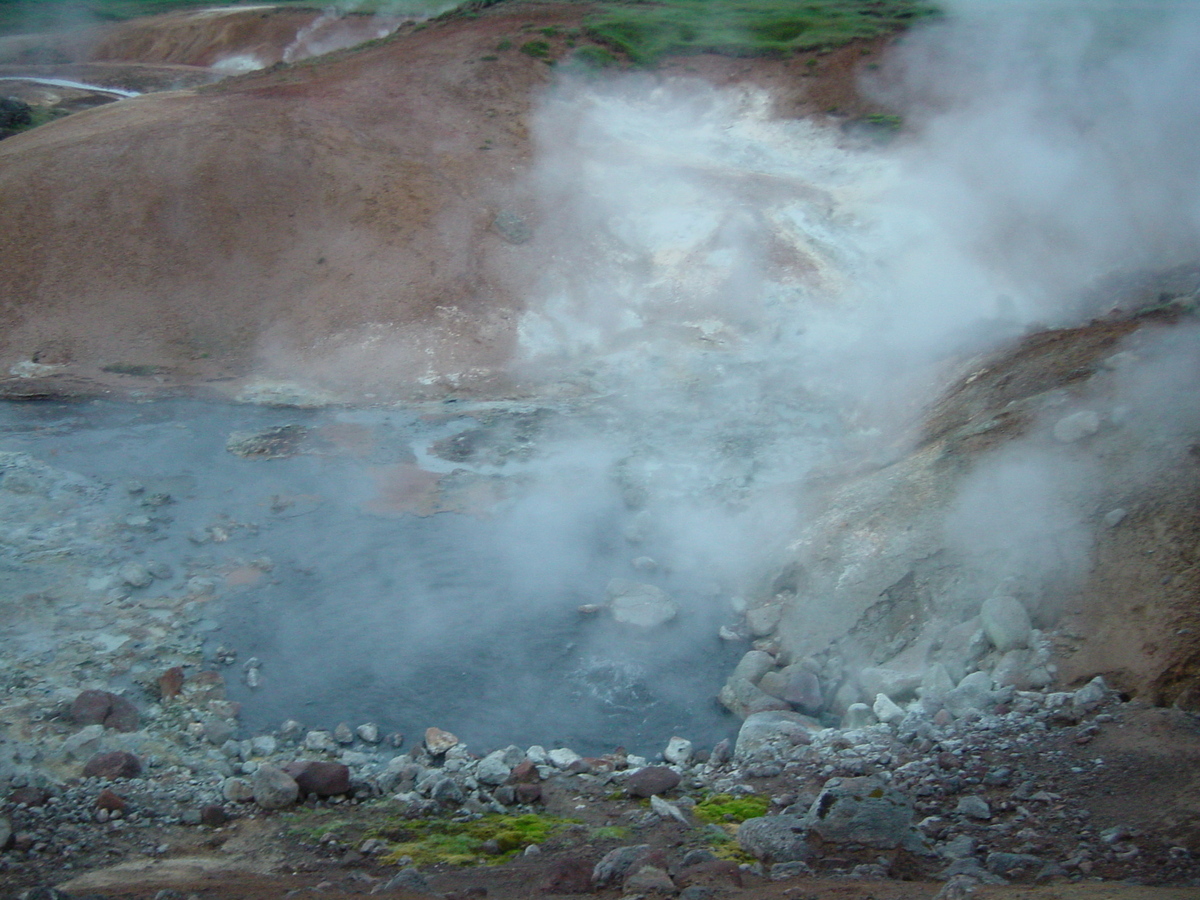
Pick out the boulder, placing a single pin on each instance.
(324, 779)
(643, 605)
(649, 880)
(651, 780)
(274, 788)
(678, 751)
(769, 733)
(886, 710)
(896, 685)
(493, 769)
(861, 811)
(437, 741)
(617, 864)
(1076, 426)
(1090, 697)
(796, 685)
(773, 839)
(974, 693)
(1006, 623)
(117, 764)
(104, 708)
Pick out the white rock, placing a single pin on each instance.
(321, 741)
(678, 751)
(886, 710)
(368, 732)
(1076, 426)
(643, 605)
(563, 757)
(1006, 623)
(493, 769)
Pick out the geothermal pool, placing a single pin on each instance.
(404, 567)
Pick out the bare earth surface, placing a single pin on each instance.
(348, 222)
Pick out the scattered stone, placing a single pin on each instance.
(1114, 517)
(368, 733)
(643, 605)
(135, 575)
(761, 620)
(213, 816)
(493, 769)
(527, 793)
(446, 792)
(616, 864)
(104, 708)
(320, 742)
(272, 443)
(721, 753)
(678, 752)
(766, 733)
(110, 800)
(1090, 697)
(407, 879)
(974, 807)
(170, 683)
(1076, 426)
(117, 764)
(237, 790)
(563, 757)
(1006, 623)
(797, 685)
(343, 735)
(973, 694)
(567, 876)
(649, 880)
(29, 797)
(897, 685)
(512, 227)
(1009, 865)
(273, 788)
(862, 811)
(437, 741)
(665, 810)
(775, 839)
(651, 780)
(324, 779)
(886, 710)
(858, 715)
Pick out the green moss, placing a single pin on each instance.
(721, 808)
(141, 370)
(611, 833)
(648, 32)
(487, 840)
(505, 44)
(536, 49)
(593, 57)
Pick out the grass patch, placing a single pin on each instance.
(648, 32)
(612, 833)
(725, 808)
(593, 57)
(536, 49)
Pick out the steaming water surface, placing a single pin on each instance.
(360, 609)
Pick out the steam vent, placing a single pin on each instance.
(525, 448)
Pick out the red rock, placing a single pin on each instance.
(213, 816)
(527, 793)
(111, 801)
(324, 779)
(713, 873)
(170, 683)
(568, 876)
(524, 772)
(31, 797)
(651, 780)
(104, 708)
(117, 764)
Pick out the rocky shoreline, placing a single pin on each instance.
(992, 797)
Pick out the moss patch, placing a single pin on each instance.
(722, 808)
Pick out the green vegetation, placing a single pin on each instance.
(647, 32)
(722, 808)
(483, 841)
(536, 49)
(490, 839)
(612, 833)
(593, 57)
(140, 370)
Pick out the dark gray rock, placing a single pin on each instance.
(615, 864)
(862, 811)
(651, 780)
(775, 839)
